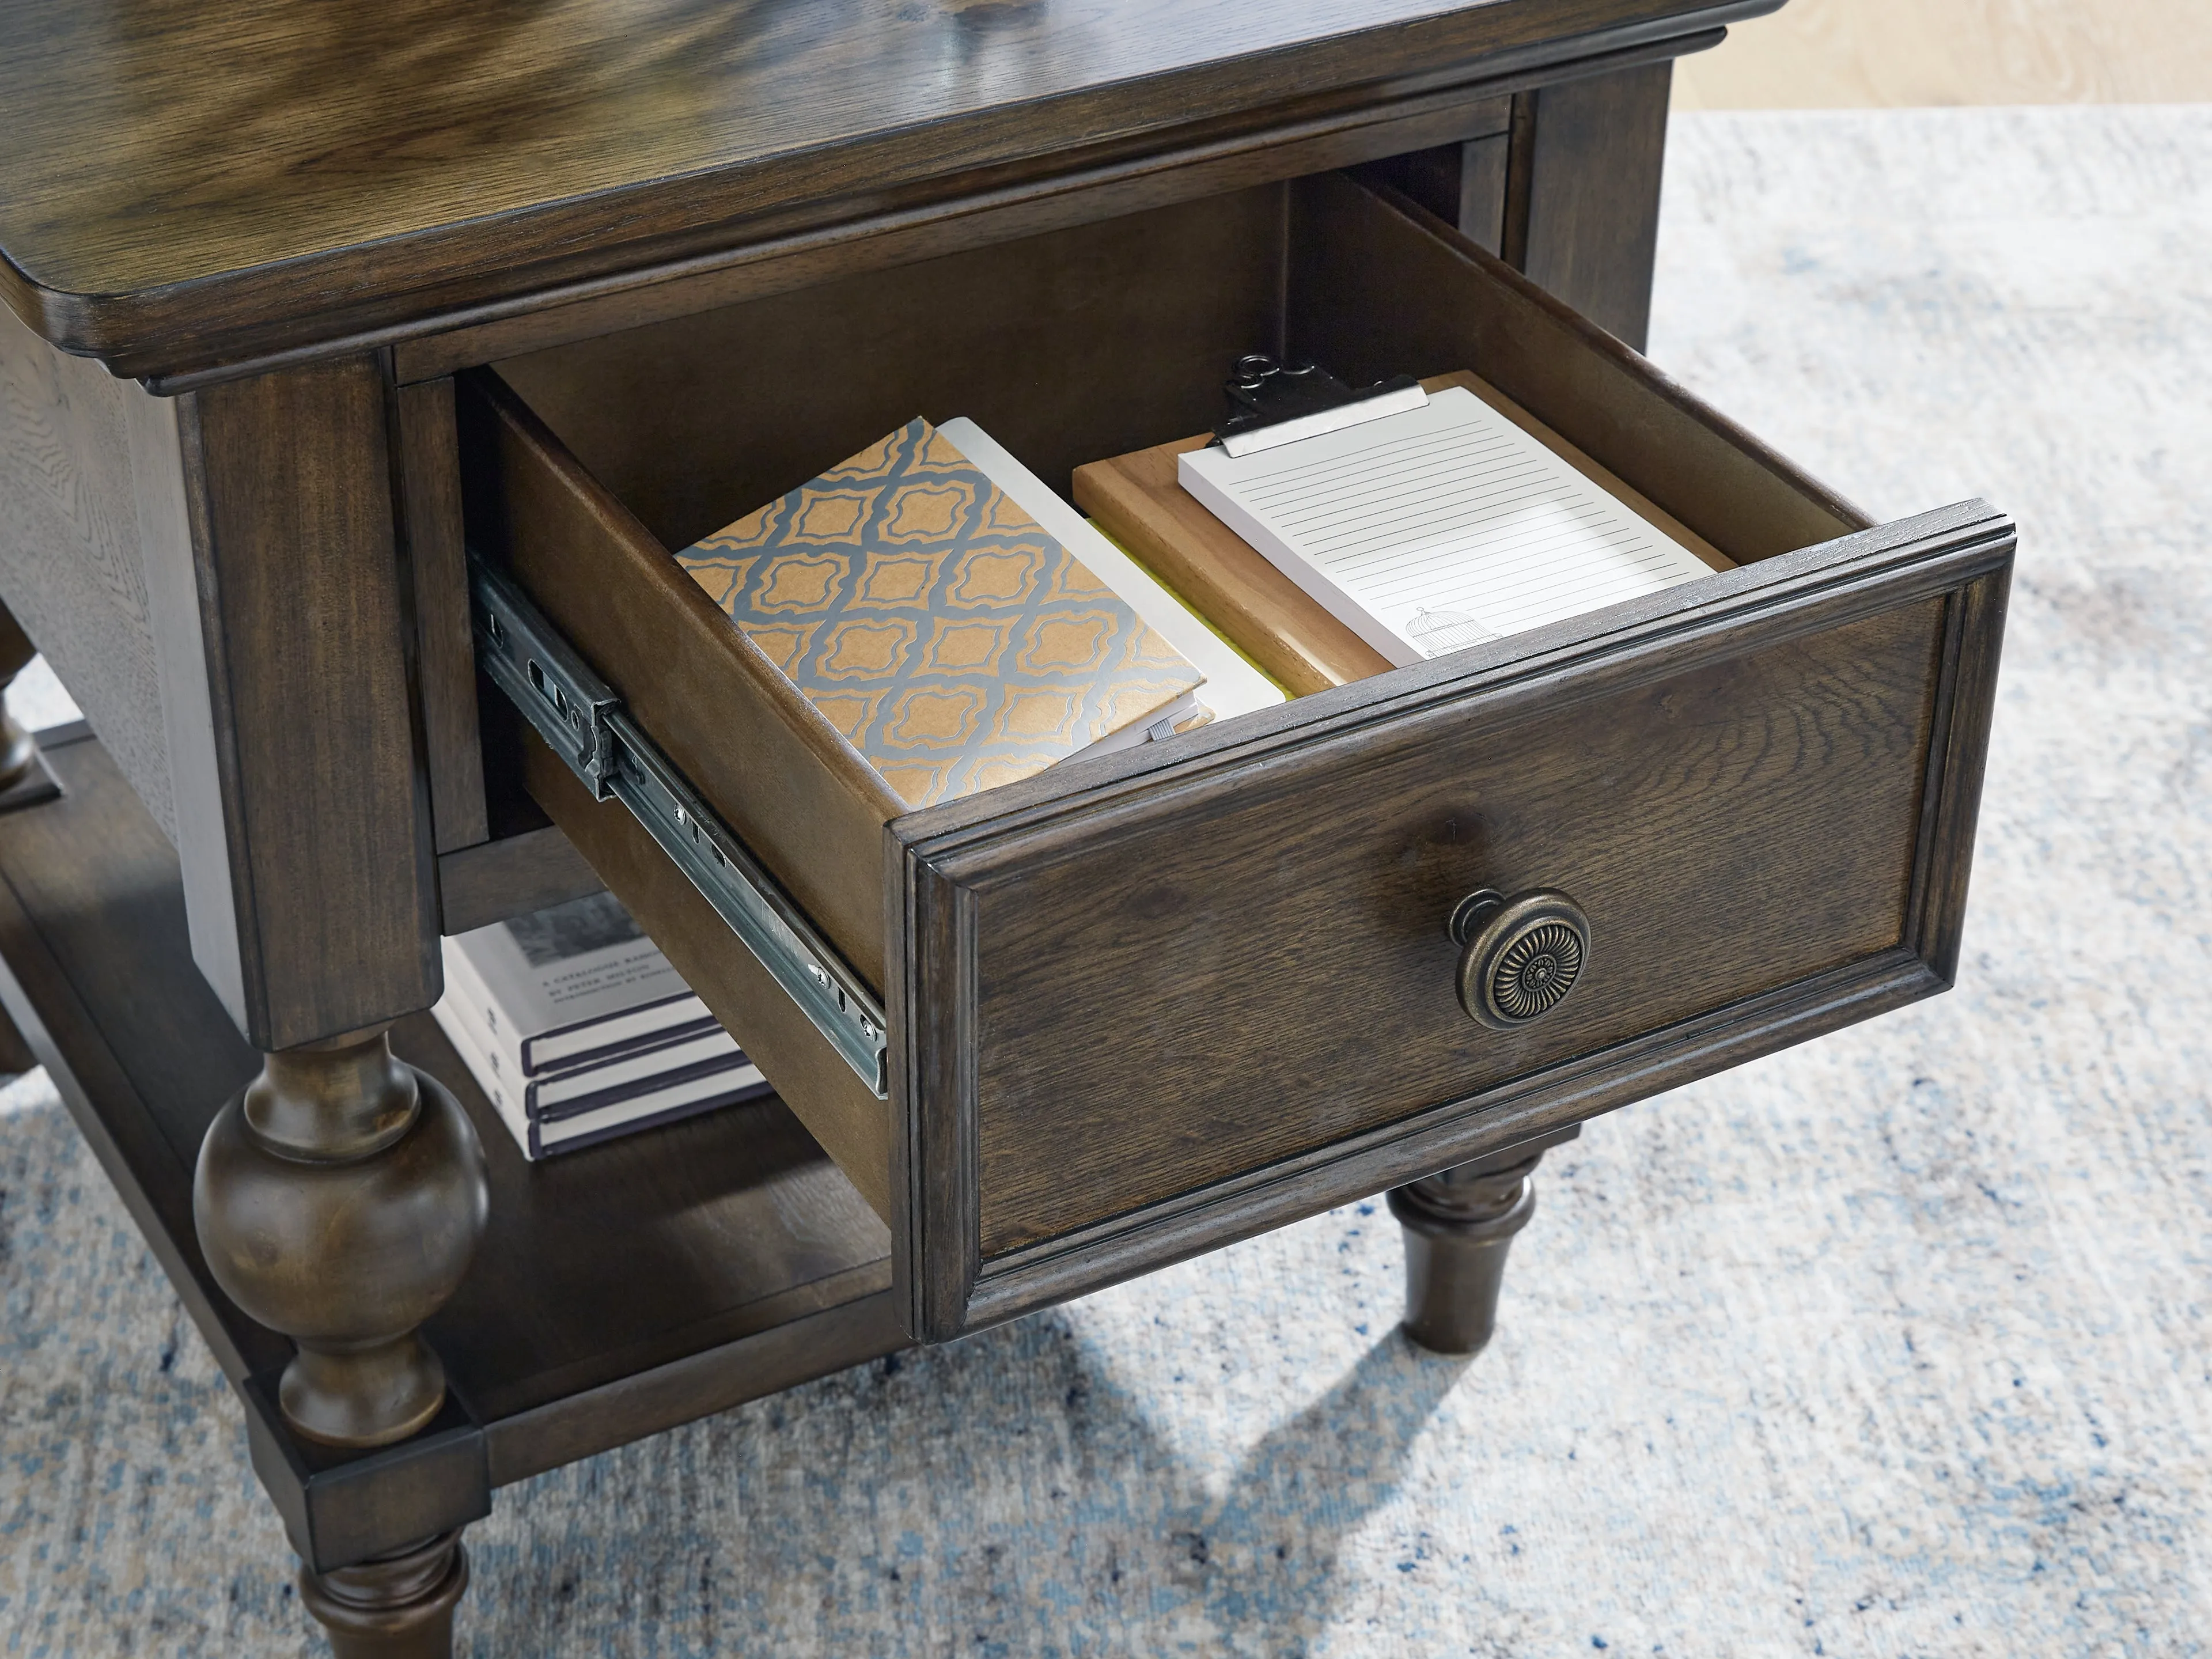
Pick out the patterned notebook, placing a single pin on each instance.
(954, 642)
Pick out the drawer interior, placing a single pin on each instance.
(1112, 337)
(1067, 347)
(1102, 992)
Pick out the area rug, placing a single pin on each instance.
(1899, 1343)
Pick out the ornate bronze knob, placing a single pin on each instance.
(1519, 957)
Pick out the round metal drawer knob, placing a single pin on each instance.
(1519, 957)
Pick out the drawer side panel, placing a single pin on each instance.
(823, 1091)
(781, 775)
(1377, 286)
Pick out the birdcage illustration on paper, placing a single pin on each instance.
(1436, 632)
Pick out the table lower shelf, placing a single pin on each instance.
(618, 1292)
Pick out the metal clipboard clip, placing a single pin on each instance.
(1273, 403)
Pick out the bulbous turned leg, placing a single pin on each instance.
(340, 1198)
(24, 779)
(397, 1607)
(1459, 1226)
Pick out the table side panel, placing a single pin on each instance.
(72, 565)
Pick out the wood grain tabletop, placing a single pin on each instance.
(184, 182)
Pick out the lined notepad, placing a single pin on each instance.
(1438, 528)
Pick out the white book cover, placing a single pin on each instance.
(1232, 685)
(646, 1109)
(568, 985)
(1437, 528)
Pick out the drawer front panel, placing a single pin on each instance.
(1191, 1000)
(1225, 987)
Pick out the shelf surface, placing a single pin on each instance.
(618, 1291)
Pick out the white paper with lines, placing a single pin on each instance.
(1438, 528)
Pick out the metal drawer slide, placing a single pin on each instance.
(584, 722)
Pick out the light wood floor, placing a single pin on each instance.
(1827, 54)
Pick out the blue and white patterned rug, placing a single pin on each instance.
(1897, 1344)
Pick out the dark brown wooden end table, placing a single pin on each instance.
(248, 254)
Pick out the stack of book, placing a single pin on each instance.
(578, 1031)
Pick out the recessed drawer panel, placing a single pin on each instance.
(1276, 937)
(1141, 1004)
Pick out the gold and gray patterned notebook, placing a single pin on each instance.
(955, 642)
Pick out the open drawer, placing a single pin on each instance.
(1143, 1004)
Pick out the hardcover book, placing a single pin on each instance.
(1233, 686)
(552, 1094)
(955, 642)
(567, 986)
(598, 1114)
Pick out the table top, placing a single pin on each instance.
(182, 181)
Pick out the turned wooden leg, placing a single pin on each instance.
(24, 779)
(1458, 1226)
(396, 1607)
(340, 1198)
